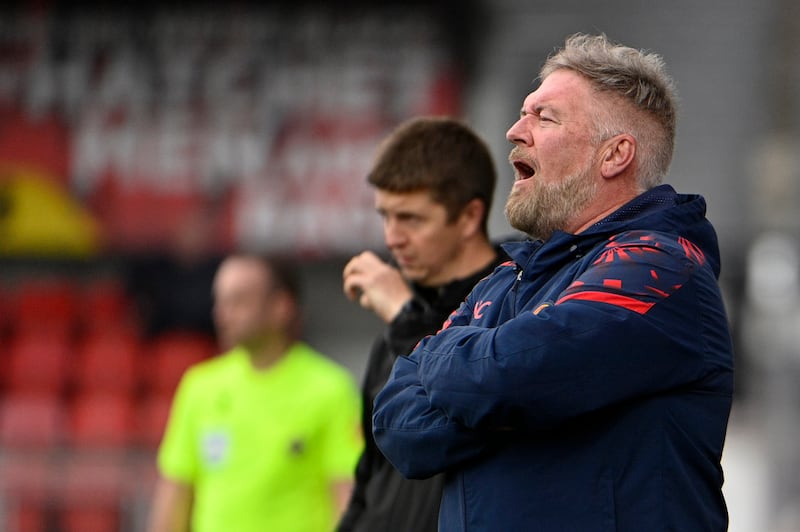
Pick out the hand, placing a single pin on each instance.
(375, 285)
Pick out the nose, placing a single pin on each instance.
(393, 235)
(518, 133)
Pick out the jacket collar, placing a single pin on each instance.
(658, 209)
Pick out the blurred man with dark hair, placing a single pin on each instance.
(434, 180)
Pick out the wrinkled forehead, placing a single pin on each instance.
(562, 90)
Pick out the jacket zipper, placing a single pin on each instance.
(516, 285)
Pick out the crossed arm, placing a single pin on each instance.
(467, 386)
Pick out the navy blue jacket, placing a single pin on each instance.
(584, 386)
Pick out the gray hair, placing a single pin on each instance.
(639, 81)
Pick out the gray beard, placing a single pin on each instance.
(548, 208)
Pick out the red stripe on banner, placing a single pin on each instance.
(629, 303)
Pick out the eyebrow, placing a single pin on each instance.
(537, 109)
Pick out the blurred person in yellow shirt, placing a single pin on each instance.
(265, 436)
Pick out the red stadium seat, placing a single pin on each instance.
(94, 486)
(106, 306)
(91, 517)
(107, 363)
(38, 363)
(29, 421)
(172, 354)
(153, 415)
(101, 420)
(43, 304)
(27, 483)
(27, 516)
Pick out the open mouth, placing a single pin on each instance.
(523, 170)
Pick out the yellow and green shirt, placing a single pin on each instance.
(262, 448)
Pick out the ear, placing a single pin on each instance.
(618, 155)
(471, 217)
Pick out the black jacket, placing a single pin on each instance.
(383, 500)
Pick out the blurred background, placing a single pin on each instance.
(139, 144)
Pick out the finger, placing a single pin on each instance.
(349, 268)
(352, 289)
(363, 300)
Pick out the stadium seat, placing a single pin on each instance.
(94, 487)
(90, 517)
(37, 363)
(105, 306)
(27, 516)
(27, 484)
(172, 354)
(107, 363)
(153, 413)
(31, 421)
(44, 304)
(101, 420)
